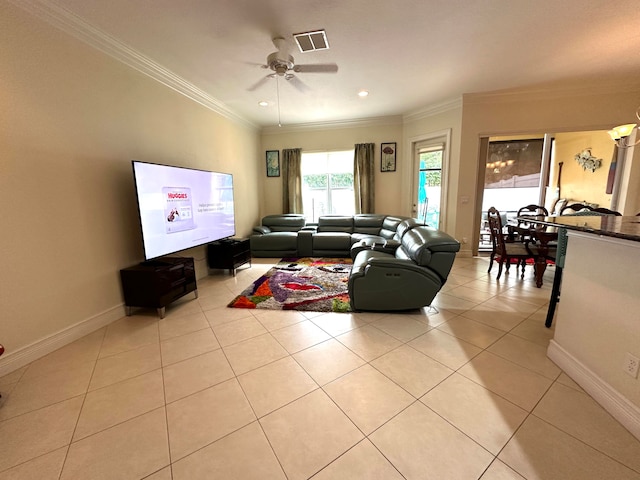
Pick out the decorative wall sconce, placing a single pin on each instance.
(588, 161)
(620, 134)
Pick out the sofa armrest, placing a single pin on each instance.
(261, 229)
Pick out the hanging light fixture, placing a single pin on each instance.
(620, 134)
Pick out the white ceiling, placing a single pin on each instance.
(409, 54)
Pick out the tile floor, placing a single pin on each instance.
(212, 392)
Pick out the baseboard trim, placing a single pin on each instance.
(627, 413)
(12, 361)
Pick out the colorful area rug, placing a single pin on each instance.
(311, 284)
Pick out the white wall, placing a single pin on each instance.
(388, 185)
(72, 120)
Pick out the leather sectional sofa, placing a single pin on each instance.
(398, 262)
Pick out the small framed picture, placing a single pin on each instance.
(273, 163)
(388, 157)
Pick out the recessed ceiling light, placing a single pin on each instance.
(363, 93)
(263, 103)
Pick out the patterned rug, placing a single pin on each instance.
(312, 284)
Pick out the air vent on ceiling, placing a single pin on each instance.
(312, 41)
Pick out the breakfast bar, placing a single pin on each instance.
(598, 321)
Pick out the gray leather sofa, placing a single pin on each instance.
(407, 278)
(398, 262)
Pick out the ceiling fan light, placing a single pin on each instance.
(625, 130)
(363, 93)
(263, 103)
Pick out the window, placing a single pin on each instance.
(327, 184)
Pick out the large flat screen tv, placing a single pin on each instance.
(181, 208)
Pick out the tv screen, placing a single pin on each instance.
(182, 208)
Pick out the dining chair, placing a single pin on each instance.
(533, 210)
(503, 251)
(559, 258)
(575, 208)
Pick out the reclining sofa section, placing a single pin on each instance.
(398, 262)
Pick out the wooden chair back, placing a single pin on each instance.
(495, 229)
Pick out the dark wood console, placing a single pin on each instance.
(157, 283)
(229, 254)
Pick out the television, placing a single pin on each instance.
(181, 208)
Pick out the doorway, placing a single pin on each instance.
(430, 160)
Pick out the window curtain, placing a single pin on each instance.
(363, 174)
(292, 180)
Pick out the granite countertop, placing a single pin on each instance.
(627, 228)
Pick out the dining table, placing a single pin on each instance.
(529, 230)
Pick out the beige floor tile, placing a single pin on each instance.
(338, 323)
(83, 350)
(129, 333)
(129, 364)
(244, 454)
(183, 306)
(581, 417)
(529, 293)
(401, 327)
(513, 382)
(222, 315)
(412, 370)
(363, 461)
(274, 385)
(276, 319)
(13, 377)
(163, 474)
(36, 433)
(432, 318)
(170, 327)
(43, 390)
(526, 354)
(541, 451)
(534, 331)
(238, 330)
(46, 467)
(368, 397)
(476, 333)
(186, 346)
(300, 336)
(133, 449)
(471, 294)
(499, 471)
(443, 451)
(327, 361)
(308, 434)
(502, 320)
(195, 374)
(565, 380)
(452, 304)
(212, 301)
(117, 403)
(487, 418)
(204, 417)
(368, 342)
(444, 348)
(254, 353)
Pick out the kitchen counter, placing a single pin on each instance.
(626, 228)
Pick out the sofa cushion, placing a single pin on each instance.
(286, 222)
(390, 225)
(276, 241)
(367, 223)
(336, 223)
(332, 241)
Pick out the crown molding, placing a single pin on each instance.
(433, 110)
(334, 125)
(551, 92)
(77, 27)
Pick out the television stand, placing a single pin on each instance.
(229, 254)
(157, 283)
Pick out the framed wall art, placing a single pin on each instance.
(388, 157)
(273, 163)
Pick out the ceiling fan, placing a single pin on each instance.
(282, 64)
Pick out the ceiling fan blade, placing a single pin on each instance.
(259, 83)
(316, 68)
(297, 83)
